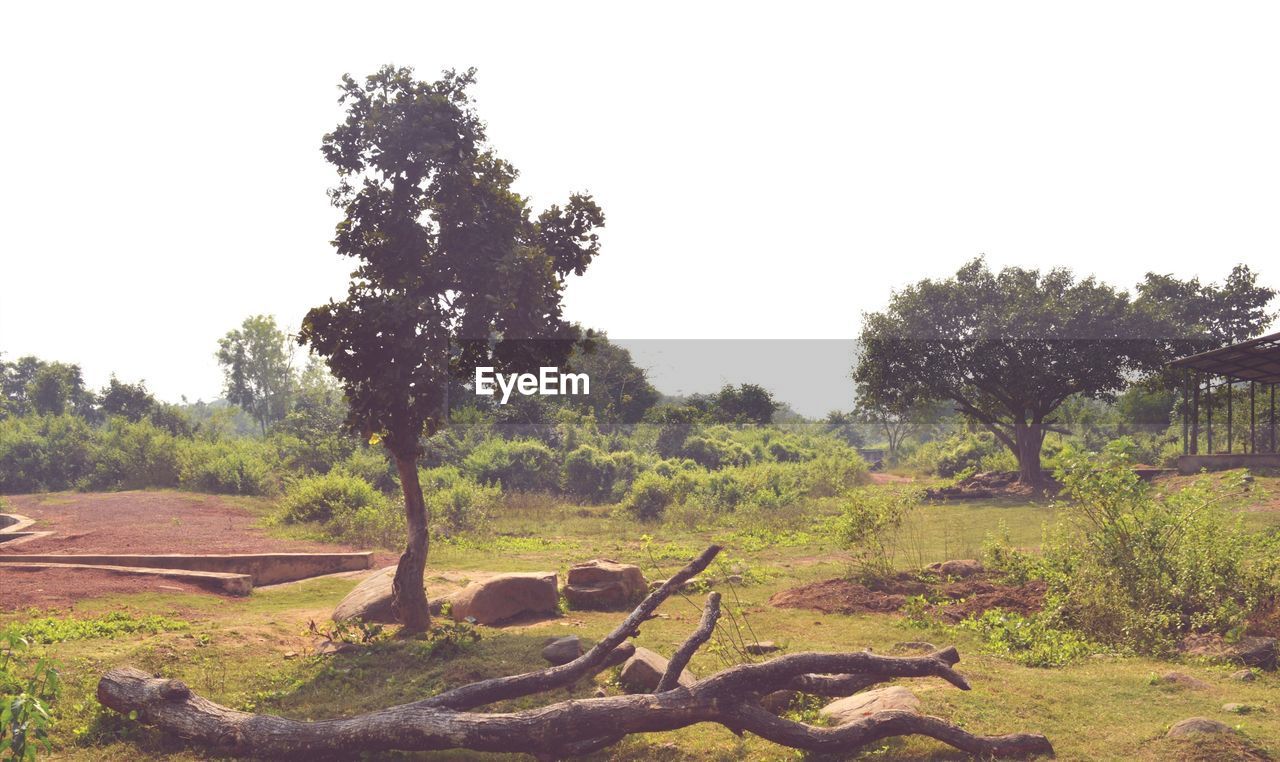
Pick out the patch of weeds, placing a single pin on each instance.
(47, 630)
(1030, 641)
(28, 692)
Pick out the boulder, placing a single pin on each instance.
(370, 600)
(563, 650)
(859, 705)
(505, 596)
(604, 584)
(1197, 725)
(644, 669)
(1249, 651)
(959, 568)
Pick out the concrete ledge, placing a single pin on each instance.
(263, 568)
(1194, 464)
(235, 584)
(9, 539)
(12, 522)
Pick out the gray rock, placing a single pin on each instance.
(563, 650)
(642, 672)
(1235, 708)
(763, 647)
(1195, 726)
(1244, 675)
(859, 705)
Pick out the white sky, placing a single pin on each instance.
(767, 171)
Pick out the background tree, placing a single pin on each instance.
(131, 401)
(846, 427)
(55, 388)
(257, 369)
(747, 403)
(620, 390)
(1006, 348)
(452, 272)
(895, 417)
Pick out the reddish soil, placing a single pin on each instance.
(964, 598)
(130, 522)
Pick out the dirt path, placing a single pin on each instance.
(130, 522)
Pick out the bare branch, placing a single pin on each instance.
(680, 660)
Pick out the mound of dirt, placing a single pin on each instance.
(992, 484)
(958, 600)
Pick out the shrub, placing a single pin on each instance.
(1130, 568)
(136, 455)
(42, 453)
(227, 466)
(372, 465)
(835, 472)
(324, 498)
(960, 453)
(1030, 641)
(649, 496)
(588, 474)
(27, 695)
(868, 525)
(517, 464)
(456, 504)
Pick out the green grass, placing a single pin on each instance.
(254, 653)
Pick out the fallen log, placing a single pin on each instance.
(729, 698)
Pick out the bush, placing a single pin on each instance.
(649, 496)
(374, 466)
(324, 498)
(43, 453)
(133, 456)
(517, 464)
(868, 525)
(961, 453)
(228, 466)
(1133, 569)
(456, 504)
(1030, 641)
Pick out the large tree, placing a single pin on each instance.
(1009, 348)
(1006, 348)
(452, 271)
(257, 369)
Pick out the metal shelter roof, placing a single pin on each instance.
(1253, 360)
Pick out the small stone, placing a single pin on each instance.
(763, 647)
(563, 650)
(290, 654)
(1244, 676)
(1196, 725)
(778, 702)
(601, 692)
(331, 648)
(734, 579)
(959, 568)
(1234, 708)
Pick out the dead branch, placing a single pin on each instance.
(729, 698)
(680, 660)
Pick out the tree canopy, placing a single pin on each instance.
(257, 369)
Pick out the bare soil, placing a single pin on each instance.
(131, 522)
(962, 598)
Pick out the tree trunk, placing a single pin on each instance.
(1029, 438)
(410, 594)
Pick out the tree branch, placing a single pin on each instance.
(680, 660)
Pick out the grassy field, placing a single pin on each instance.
(256, 654)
